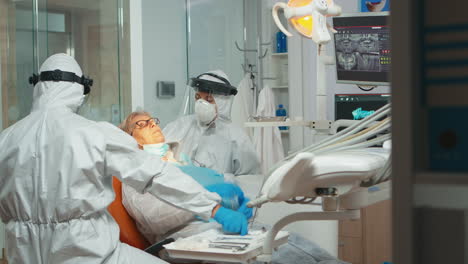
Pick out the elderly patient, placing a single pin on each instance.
(156, 219)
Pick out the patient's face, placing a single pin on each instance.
(149, 134)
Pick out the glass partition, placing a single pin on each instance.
(93, 32)
(212, 36)
(96, 33)
(201, 36)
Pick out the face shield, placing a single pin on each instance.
(217, 84)
(213, 84)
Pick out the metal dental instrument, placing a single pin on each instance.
(229, 245)
(234, 238)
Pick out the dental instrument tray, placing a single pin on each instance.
(214, 245)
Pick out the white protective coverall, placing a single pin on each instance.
(56, 172)
(221, 146)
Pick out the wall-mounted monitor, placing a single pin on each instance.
(362, 48)
(358, 106)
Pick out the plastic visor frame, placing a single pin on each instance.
(206, 86)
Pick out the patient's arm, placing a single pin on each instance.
(154, 217)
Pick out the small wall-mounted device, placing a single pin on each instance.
(115, 109)
(165, 89)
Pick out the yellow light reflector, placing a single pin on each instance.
(302, 24)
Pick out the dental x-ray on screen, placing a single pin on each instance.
(362, 48)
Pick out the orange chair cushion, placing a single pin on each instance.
(129, 233)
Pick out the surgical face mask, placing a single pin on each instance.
(206, 113)
(157, 149)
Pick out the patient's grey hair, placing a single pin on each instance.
(127, 125)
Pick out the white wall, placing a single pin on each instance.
(250, 30)
(164, 55)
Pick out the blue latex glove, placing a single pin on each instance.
(232, 195)
(204, 176)
(232, 221)
(248, 212)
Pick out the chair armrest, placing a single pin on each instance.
(157, 247)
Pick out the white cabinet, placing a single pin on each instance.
(280, 69)
(280, 86)
(275, 69)
(280, 81)
(276, 76)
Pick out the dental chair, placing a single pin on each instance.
(129, 232)
(346, 172)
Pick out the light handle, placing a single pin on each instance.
(274, 12)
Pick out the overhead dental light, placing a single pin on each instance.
(308, 17)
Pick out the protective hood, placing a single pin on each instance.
(223, 102)
(51, 94)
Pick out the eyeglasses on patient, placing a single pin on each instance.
(144, 123)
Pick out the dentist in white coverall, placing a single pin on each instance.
(208, 136)
(56, 171)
